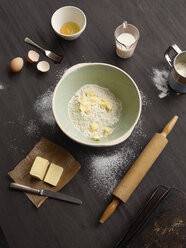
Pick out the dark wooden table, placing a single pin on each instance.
(57, 224)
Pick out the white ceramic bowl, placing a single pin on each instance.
(68, 14)
(107, 76)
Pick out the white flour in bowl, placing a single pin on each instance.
(82, 121)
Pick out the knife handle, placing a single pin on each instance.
(24, 188)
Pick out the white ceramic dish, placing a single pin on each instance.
(68, 14)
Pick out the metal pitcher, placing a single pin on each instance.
(177, 76)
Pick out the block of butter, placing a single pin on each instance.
(39, 168)
(53, 174)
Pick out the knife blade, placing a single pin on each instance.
(45, 192)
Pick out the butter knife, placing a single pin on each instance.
(45, 192)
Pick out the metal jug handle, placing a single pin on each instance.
(168, 57)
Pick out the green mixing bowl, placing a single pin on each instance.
(104, 75)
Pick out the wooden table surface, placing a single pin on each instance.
(58, 224)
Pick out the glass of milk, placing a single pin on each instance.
(126, 37)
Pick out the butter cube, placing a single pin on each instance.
(105, 104)
(93, 100)
(109, 106)
(39, 168)
(94, 126)
(102, 105)
(82, 100)
(90, 93)
(107, 131)
(85, 108)
(96, 137)
(53, 174)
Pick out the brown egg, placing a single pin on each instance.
(16, 64)
(32, 56)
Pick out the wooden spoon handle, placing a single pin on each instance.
(109, 210)
(168, 128)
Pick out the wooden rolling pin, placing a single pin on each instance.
(139, 169)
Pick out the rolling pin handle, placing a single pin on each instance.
(110, 210)
(168, 128)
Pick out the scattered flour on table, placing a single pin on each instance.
(59, 73)
(11, 122)
(15, 145)
(43, 107)
(32, 128)
(145, 100)
(82, 121)
(2, 86)
(160, 81)
(138, 132)
(106, 170)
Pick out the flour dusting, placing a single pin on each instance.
(43, 107)
(145, 100)
(59, 73)
(32, 128)
(2, 86)
(160, 80)
(15, 145)
(106, 170)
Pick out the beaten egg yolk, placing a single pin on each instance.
(69, 28)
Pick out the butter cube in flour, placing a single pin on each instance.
(90, 93)
(109, 106)
(82, 100)
(105, 104)
(94, 126)
(85, 108)
(96, 137)
(107, 131)
(39, 168)
(102, 104)
(53, 174)
(93, 100)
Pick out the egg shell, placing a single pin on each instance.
(32, 56)
(43, 66)
(16, 64)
